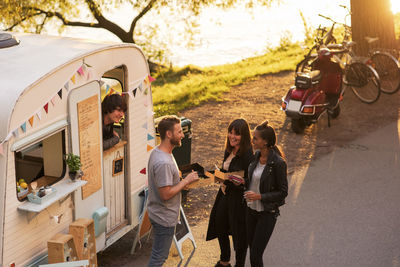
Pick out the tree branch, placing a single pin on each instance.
(141, 14)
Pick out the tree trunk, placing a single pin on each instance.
(372, 18)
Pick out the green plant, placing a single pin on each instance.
(73, 161)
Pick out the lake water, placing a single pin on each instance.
(229, 36)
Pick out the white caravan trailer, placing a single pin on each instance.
(50, 105)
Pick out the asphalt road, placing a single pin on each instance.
(344, 209)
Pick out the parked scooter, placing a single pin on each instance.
(315, 92)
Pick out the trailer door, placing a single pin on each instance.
(86, 141)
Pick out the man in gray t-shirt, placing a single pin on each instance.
(164, 189)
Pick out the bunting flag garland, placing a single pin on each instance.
(151, 79)
(140, 87)
(146, 91)
(149, 137)
(60, 93)
(149, 147)
(23, 127)
(73, 79)
(143, 171)
(130, 94)
(16, 133)
(39, 115)
(134, 92)
(66, 86)
(46, 108)
(107, 88)
(53, 99)
(144, 126)
(31, 121)
(80, 71)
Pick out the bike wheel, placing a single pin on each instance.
(364, 81)
(388, 70)
(306, 64)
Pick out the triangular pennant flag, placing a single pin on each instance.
(107, 88)
(150, 113)
(149, 148)
(101, 83)
(1, 149)
(53, 100)
(151, 79)
(23, 127)
(31, 121)
(83, 67)
(146, 80)
(16, 133)
(149, 137)
(144, 125)
(8, 136)
(146, 91)
(134, 92)
(60, 93)
(143, 171)
(140, 87)
(130, 94)
(80, 71)
(73, 79)
(89, 74)
(46, 107)
(66, 86)
(39, 114)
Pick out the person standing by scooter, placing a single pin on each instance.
(267, 188)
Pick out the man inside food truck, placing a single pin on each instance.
(113, 110)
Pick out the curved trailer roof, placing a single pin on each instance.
(36, 57)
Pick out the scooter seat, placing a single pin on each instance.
(305, 80)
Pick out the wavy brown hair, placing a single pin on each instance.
(241, 127)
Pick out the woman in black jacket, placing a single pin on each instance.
(229, 210)
(267, 188)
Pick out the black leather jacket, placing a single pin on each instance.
(273, 183)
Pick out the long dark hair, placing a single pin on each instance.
(267, 133)
(241, 127)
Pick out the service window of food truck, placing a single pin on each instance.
(40, 164)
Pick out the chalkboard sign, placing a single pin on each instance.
(182, 232)
(118, 166)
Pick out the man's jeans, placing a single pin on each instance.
(161, 244)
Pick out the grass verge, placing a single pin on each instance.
(179, 88)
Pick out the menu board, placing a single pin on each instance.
(89, 144)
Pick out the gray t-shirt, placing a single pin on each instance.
(255, 187)
(163, 171)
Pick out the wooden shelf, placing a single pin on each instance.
(64, 188)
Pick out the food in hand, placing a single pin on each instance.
(236, 179)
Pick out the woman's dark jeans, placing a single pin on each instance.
(260, 226)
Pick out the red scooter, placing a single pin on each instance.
(315, 92)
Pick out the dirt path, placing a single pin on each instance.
(256, 101)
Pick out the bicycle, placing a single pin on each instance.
(359, 76)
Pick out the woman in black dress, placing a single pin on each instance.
(267, 188)
(228, 213)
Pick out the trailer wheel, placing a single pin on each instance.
(298, 125)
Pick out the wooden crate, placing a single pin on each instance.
(220, 176)
(61, 248)
(85, 242)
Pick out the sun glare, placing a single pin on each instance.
(395, 6)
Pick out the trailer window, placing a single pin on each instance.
(114, 86)
(41, 162)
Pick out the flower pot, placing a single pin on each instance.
(73, 175)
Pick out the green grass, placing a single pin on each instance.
(179, 88)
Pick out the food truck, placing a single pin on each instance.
(50, 102)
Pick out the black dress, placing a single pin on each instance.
(229, 210)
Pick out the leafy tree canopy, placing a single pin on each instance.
(35, 15)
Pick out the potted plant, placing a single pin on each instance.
(74, 166)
